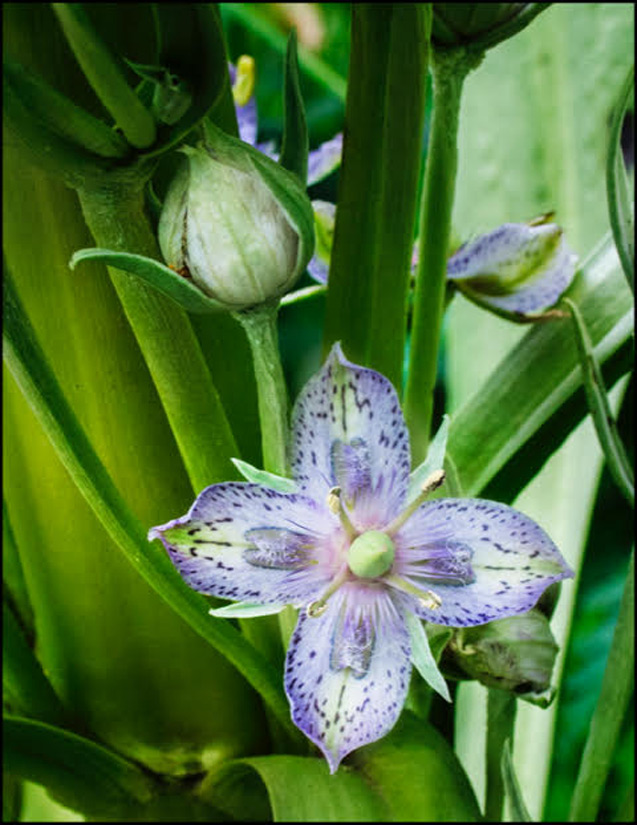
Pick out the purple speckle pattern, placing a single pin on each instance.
(357, 410)
(458, 562)
(248, 543)
(484, 560)
(347, 672)
(496, 253)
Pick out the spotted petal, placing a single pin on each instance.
(517, 267)
(347, 672)
(249, 543)
(323, 160)
(483, 560)
(348, 431)
(324, 220)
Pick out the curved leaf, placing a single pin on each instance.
(296, 144)
(82, 775)
(159, 276)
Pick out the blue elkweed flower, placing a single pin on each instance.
(353, 544)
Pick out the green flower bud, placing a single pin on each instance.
(236, 222)
(516, 654)
(371, 554)
(480, 25)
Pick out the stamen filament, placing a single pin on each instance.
(318, 607)
(336, 506)
(426, 598)
(432, 483)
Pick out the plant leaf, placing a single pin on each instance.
(159, 276)
(38, 383)
(599, 407)
(82, 775)
(295, 145)
(423, 658)
(434, 461)
(619, 203)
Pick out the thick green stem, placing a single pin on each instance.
(501, 707)
(261, 331)
(378, 189)
(615, 693)
(117, 221)
(449, 71)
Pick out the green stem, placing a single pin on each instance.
(501, 708)
(115, 216)
(378, 190)
(615, 693)
(449, 71)
(261, 330)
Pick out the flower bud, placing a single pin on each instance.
(517, 268)
(236, 222)
(515, 654)
(480, 25)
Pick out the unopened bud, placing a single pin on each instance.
(238, 223)
(518, 268)
(480, 25)
(516, 654)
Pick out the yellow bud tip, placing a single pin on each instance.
(243, 87)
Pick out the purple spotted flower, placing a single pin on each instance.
(352, 543)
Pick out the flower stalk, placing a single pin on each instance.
(501, 708)
(450, 67)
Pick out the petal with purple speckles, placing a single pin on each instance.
(348, 431)
(247, 543)
(323, 160)
(483, 560)
(517, 267)
(347, 671)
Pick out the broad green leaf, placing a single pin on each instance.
(24, 683)
(600, 409)
(299, 789)
(256, 476)
(104, 73)
(295, 145)
(620, 208)
(39, 385)
(158, 275)
(417, 775)
(84, 776)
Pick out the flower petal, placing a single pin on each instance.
(347, 672)
(323, 160)
(249, 543)
(481, 559)
(348, 431)
(517, 267)
(324, 220)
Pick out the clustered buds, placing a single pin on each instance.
(236, 222)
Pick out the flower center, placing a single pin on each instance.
(371, 554)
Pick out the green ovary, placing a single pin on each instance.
(371, 554)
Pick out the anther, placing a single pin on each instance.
(319, 606)
(431, 483)
(431, 600)
(336, 506)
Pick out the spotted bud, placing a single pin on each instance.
(237, 223)
(517, 268)
(371, 554)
